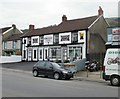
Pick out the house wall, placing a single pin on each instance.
(10, 48)
(18, 44)
(66, 49)
(97, 38)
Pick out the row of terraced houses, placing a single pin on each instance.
(78, 38)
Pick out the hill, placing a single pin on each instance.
(113, 22)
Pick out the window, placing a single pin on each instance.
(41, 39)
(24, 41)
(75, 52)
(35, 40)
(5, 45)
(14, 44)
(29, 41)
(40, 64)
(56, 53)
(74, 36)
(56, 38)
(48, 65)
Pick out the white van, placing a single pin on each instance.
(111, 68)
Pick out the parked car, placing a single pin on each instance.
(51, 69)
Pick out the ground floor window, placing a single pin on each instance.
(75, 52)
(55, 52)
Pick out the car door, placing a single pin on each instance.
(49, 69)
(41, 68)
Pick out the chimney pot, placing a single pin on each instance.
(14, 26)
(100, 11)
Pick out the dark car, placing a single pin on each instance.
(51, 69)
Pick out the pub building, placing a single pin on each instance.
(78, 38)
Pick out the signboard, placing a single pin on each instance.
(116, 38)
(116, 34)
(116, 31)
(48, 39)
(81, 36)
(64, 38)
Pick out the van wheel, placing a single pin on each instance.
(35, 73)
(56, 76)
(115, 81)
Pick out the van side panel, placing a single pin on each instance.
(112, 63)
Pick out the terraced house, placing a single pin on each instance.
(77, 38)
(11, 41)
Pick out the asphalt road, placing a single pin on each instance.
(16, 84)
(26, 66)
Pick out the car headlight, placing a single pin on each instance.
(65, 72)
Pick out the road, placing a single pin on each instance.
(16, 84)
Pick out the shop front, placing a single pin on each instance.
(65, 50)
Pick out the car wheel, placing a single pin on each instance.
(35, 73)
(115, 81)
(57, 76)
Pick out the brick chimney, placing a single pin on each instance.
(100, 11)
(64, 18)
(31, 27)
(14, 26)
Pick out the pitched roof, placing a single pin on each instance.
(5, 29)
(12, 37)
(65, 26)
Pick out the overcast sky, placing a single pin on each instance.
(43, 13)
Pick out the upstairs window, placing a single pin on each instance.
(56, 38)
(74, 36)
(29, 40)
(24, 41)
(41, 39)
(35, 40)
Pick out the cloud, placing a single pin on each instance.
(49, 12)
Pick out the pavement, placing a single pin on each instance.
(26, 67)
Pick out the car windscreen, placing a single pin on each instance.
(56, 65)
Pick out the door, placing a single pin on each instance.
(40, 53)
(46, 56)
(41, 68)
(49, 69)
(35, 54)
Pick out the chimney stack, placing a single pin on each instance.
(31, 27)
(64, 18)
(100, 11)
(14, 26)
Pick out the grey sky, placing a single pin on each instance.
(43, 13)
